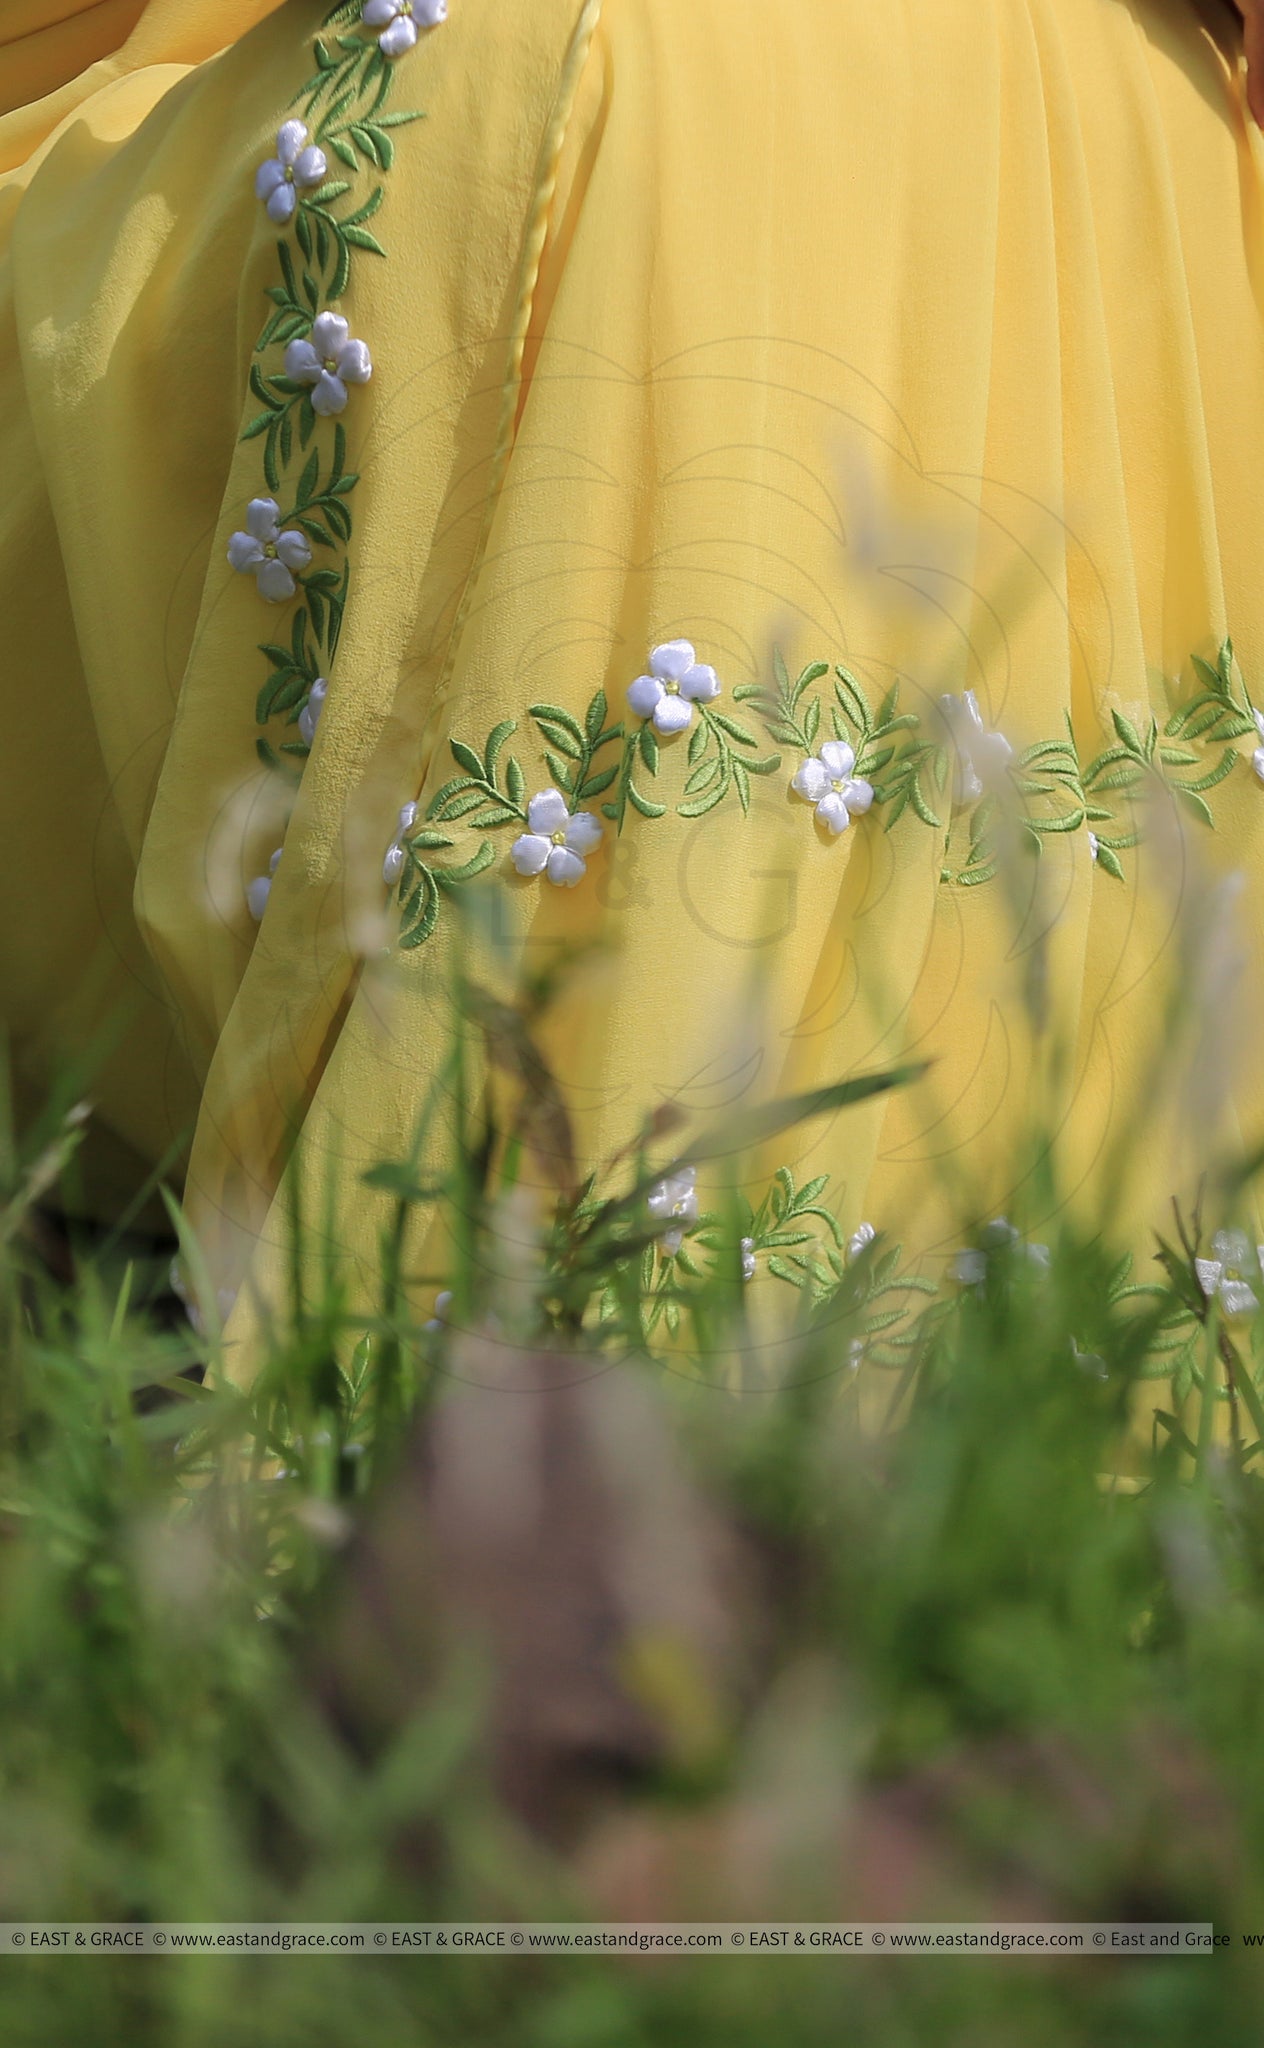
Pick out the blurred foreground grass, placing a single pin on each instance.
(503, 1613)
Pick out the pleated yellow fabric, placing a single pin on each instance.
(923, 339)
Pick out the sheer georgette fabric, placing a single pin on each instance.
(922, 339)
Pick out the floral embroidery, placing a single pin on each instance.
(258, 891)
(1051, 790)
(1233, 1273)
(439, 1319)
(396, 858)
(398, 21)
(328, 363)
(793, 1233)
(327, 215)
(557, 840)
(721, 756)
(268, 553)
(490, 790)
(675, 1200)
(970, 1266)
(676, 682)
(885, 761)
(293, 169)
(1215, 718)
(826, 780)
(309, 716)
(982, 755)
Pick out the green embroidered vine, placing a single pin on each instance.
(1042, 790)
(1220, 714)
(779, 1229)
(576, 757)
(793, 1237)
(909, 770)
(346, 98)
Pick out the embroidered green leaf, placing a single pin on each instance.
(360, 238)
(704, 775)
(307, 482)
(449, 878)
(559, 737)
(465, 757)
(1128, 733)
(563, 730)
(1195, 803)
(595, 722)
(1224, 766)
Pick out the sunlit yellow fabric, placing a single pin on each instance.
(925, 337)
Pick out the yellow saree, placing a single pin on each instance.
(600, 484)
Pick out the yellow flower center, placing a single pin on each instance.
(559, 839)
(269, 549)
(289, 174)
(672, 689)
(840, 785)
(331, 364)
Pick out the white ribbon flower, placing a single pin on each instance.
(267, 553)
(982, 755)
(327, 362)
(1094, 845)
(258, 891)
(401, 21)
(1090, 1362)
(279, 181)
(748, 1258)
(861, 1238)
(442, 1303)
(677, 1196)
(826, 780)
(1257, 758)
(969, 1267)
(309, 716)
(1233, 1272)
(556, 841)
(676, 682)
(393, 865)
(225, 1299)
